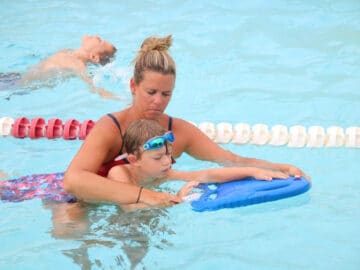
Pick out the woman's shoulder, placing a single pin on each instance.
(181, 124)
(106, 127)
(112, 119)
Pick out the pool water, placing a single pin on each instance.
(278, 62)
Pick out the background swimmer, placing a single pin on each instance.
(65, 64)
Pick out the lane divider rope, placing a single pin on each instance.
(240, 133)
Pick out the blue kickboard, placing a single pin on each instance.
(246, 192)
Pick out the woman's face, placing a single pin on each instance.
(152, 94)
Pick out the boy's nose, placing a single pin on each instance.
(167, 159)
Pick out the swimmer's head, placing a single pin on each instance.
(100, 51)
(153, 56)
(140, 132)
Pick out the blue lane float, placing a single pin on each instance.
(247, 192)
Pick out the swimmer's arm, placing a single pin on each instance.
(200, 146)
(93, 89)
(221, 175)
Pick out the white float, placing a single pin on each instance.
(242, 133)
(279, 135)
(352, 137)
(335, 137)
(6, 125)
(316, 136)
(209, 129)
(224, 132)
(297, 136)
(260, 134)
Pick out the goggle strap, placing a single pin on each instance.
(122, 156)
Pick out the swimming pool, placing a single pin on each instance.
(290, 63)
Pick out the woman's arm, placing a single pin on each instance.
(182, 193)
(200, 146)
(220, 175)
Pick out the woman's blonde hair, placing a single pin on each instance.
(139, 132)
(153, 56)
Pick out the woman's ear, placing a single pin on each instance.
(132, 86)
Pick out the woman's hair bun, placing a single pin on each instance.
(156, 43)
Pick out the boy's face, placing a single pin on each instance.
(102, 48)
(156, 163)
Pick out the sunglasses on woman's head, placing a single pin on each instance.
(159, 141)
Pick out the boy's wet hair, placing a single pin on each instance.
(108, 57)
(139, 132)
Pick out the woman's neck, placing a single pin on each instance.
(132, 114)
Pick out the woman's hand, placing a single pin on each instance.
(268, 175)
(159, 199)
(293, 171)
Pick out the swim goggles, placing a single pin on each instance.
(159, 141)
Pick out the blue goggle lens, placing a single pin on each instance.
(159, 141)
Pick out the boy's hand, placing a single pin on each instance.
(186, 189)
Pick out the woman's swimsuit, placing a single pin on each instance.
(41, 186)
(105, 168)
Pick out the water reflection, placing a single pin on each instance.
(108, 236)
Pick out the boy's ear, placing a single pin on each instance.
(94, 57)
(133, 160)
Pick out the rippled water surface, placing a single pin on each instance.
(271, 62)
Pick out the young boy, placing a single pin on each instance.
(64, 64)
(148, 147)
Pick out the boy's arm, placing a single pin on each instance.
(220, 175)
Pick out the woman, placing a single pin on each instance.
(151, 87)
